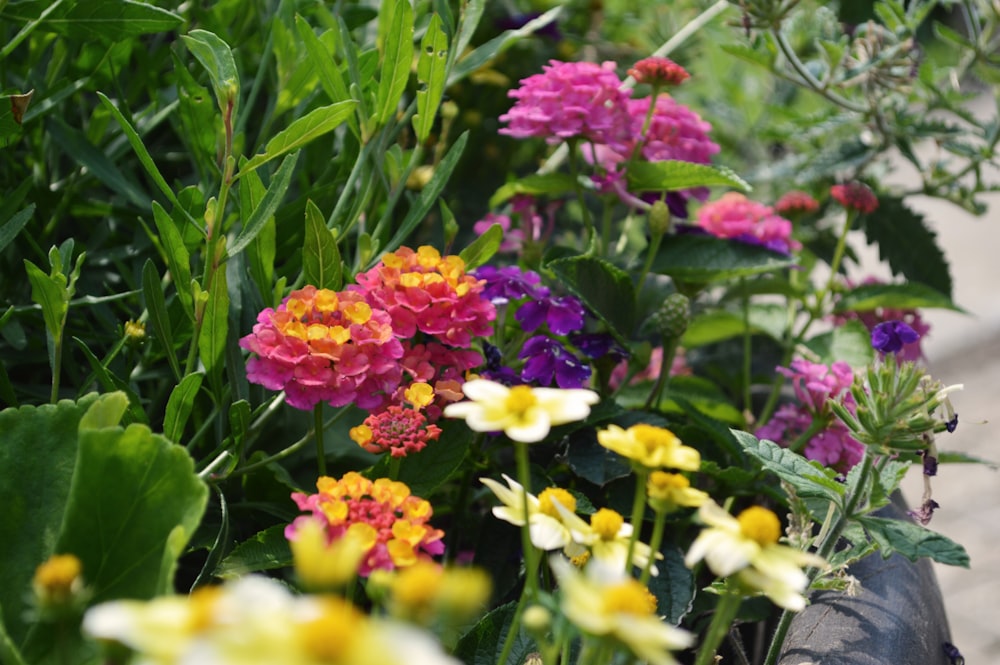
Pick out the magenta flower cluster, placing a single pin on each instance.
(735, 216)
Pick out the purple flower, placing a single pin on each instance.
(510, 283)
(890, 336)
(547, 359)
(563, 314)
(598, 345)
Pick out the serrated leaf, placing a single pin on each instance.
(432, 69)
(156, 305)
(90, 20)
(673, 175)
(482, 249)
(702, 258)
(397, 56)
(605, 289)
(311, 126)
(268, 205)
(913, 541)
(850, 342)
(320, 256)
(216, 57)
(907, 244)
(912, 295)
(179, 406)
(266, 550)
(808, 478)
(553, 184)
(589, 460)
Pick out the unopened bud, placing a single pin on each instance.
(673, 316)
(659, 218)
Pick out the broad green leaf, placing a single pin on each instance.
(13, 226)
(909, 246)
(718, 325)
(699, 258)
(672, 175)
(216, 57)
(266, 550)
(321, 262)
(494, 47)
(179, 406)
(427, 470)
(106, 411)
(176, 255)
(37, 457)
(140, 149)
(94, 20)
(432, 68)
(156, 305)
(911, 295)
(51, 293)
(75, 144)
(482, 249)
(674, 587)
(214, 330)
(850, 342)
(268, 205)
(605, 289)
(110, 382)
(535, 184)
(589, 460)
(913, 541)
(808, 478)
(429, 194)
(310, 126)
(396, 46)
(263, 250)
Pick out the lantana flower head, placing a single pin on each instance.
(796, 202)
(399, 430)
(855, 196)
(735, 216)
(617, 607)
(747, 546)
(652, 447)
(570, 100)
(323, 346)
(400, 519)
(423, 291)
(814, 383)
(523, 413)
(657, 70)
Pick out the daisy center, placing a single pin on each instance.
(629, 597)
(760, 524)
(520, 400)
(547, 497)
(606, 523)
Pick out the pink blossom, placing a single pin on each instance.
(735, 216)
(855, 196)
(658, 71)
(796, 202)
(321, 346)
(423, 291)
(571, 100)
(814, 383)
(832, 446)
(678, 367)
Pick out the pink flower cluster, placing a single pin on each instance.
(399, 429)
(423, 291)
(323, 346)
(442, 367)
(658, 71)
(814, 384)
(571, 100)
(735, 216)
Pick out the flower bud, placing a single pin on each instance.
(659, 219)
(673, 316)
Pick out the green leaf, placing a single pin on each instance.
(482, 249)
(37, 457)
(911, 295)
(179, 406)
(850, 342)
(698, 258)
(110, 382)
(76, 145)
(397, 56)
(9, 652)
(329, 74)
(718, 325)
(605, 289)
(483, 644)
(51, 293)
(214, 329)
(266, 550)
(13, 226)
(321, 263)
(176, 255)
(535, 184)
(589, 460)
(494, 47)
(156, 305)
(427, 470)
(106, 411)
(262, 251)
(140, 150)
(268, 205)
(94, 20)
(216, 57)
(674, 587)
(913, 541)
(810, 479)
(432, 69)
(310, 126)
(907, 244)
(672, 175)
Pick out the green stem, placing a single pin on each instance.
(725, 611)
(669, 350)
(659, 527)
(747, 347)
(318, 435)
(638, 512)
(838, 254)
(530, 555)
(574, 170)
(290, 450)
(57, 344)
(651, 250)
(808, 80)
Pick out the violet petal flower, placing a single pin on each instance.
(548, 360)
(890, 336)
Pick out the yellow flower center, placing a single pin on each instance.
(654, 438)
(58, 573)
(664, 482)
(760, 524)
(629, 597)
(581, 559)
(520, 400)
(565, 499)
(606, 523)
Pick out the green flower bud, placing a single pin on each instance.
(659, 218)
(673, 316)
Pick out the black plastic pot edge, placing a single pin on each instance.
(898, 618)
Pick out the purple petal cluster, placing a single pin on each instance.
(547, 359)
(891, 336)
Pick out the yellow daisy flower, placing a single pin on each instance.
(652, 447)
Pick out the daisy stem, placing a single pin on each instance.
(725, 611)
(659, 526)
(530, 555)
(318, 434)
(638, 511)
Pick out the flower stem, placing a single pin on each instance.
(318, 435)
(725, 611)
(659, 526)
(530, 555)
(638, 511)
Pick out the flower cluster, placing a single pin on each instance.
(658, 71)
(855, 196)
(831, 443)
(735, 216)
(323, 346)
(400, 519)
